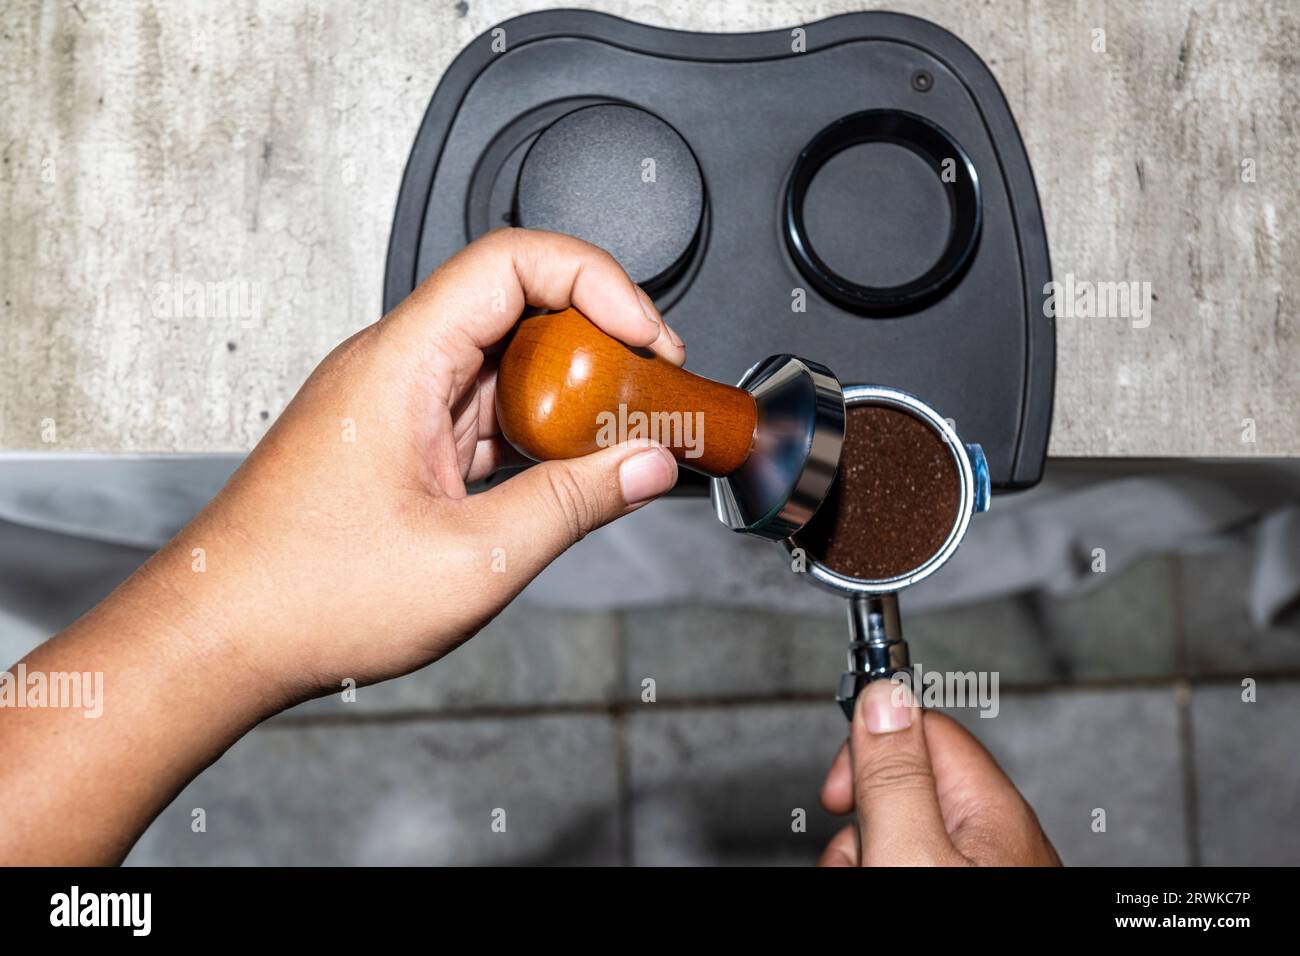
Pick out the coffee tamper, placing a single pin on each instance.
(771, 444)
(877, 650)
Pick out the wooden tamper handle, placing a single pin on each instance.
(565, 388)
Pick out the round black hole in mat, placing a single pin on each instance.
(621, 178)
(882, 212)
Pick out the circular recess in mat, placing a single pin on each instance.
(882, 212)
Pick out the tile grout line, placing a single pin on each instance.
(1183, 690)
(1191, 803)
(624, 707)
(622, 753)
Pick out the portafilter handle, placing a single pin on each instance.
(877, 650)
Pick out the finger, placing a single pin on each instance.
(966, 775)
(893, 783)
(843, 849)
(837, 790)
(670, 344)
(486, 391)
(538, 514)
(477, 295)
(986, 816)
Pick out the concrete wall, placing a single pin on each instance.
(256, 148)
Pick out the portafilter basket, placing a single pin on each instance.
(877, 650)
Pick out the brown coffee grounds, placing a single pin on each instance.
(894, 501)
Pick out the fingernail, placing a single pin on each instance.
(889, 706)
(677, 339)
(646, 475)
(648, 308)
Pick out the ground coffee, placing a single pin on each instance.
(894, 501)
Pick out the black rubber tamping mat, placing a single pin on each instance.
(853, 190)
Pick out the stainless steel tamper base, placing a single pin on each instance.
(796, 449)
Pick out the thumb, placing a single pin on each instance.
(540, 512)
(899, 820)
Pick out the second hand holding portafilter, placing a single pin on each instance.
(773, 442)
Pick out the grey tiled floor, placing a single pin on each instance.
(419, 792)
(1247, 773)
(543, 716)
(729, 785)
(1127, 698)
(1073, 753)
(1221, 640)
